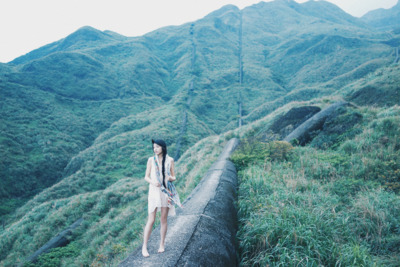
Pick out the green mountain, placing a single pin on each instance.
(384, 19)
(77, 115)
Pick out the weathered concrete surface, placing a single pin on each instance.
(203, 233)
(316, 122)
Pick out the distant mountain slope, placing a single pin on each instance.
(384, 19)
(41, 131)
(329, 12)
(382, 88)
(307, 48)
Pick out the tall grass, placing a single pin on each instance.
(332, 207)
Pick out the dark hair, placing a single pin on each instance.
(164, 152)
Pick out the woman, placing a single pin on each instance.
(160, 170)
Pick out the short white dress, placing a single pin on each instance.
(156, 198)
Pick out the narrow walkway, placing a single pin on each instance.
(203, 233)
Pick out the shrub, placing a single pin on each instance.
(55, 256)
(347, 188)
(252, 151)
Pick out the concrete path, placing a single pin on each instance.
(203, 233)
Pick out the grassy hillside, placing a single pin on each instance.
(325, 207)
(41, 132)
(381, 88)
(77, 117)
(332, 204)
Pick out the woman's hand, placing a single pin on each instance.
(172, 176)
(156, 184)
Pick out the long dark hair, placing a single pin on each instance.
(164, 153)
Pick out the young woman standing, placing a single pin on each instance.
(160, 170)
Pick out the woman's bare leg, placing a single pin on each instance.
(164, 226)
(147, 232)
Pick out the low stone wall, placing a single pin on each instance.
(203, 233)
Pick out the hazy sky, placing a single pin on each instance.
(29, 24)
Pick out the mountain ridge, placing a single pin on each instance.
(75, 41)
(384, 19)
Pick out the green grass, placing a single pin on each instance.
(287, 219)
(331, 207)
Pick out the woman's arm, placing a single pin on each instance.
(147, 175)
(172, 170)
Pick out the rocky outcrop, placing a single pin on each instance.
(303, 133)
(203, 233)
(285, 124)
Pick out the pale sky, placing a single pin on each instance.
(26, 25)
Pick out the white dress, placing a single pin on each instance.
(156, 198)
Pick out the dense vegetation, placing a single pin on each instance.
(332, 206)
(41, 132)
(77, 117)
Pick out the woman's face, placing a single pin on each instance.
(157, 149)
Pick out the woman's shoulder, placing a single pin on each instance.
(170, 159)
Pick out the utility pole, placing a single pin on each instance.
(240, 107)
(182, 131)
(397, 56)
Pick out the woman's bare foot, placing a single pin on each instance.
(145, 253)
(161, 249)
